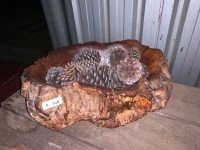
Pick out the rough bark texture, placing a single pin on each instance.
(105, 107)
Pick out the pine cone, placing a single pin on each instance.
(68, 75)
(134, 53)
(115, 56)
(101, 76)
(53, 75)
(88, 54)
(129, 71)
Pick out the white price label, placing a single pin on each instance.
(52, 103)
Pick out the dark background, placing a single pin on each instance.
(24, 35)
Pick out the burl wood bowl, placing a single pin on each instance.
(109, 84)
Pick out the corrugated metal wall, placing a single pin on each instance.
(170, 25)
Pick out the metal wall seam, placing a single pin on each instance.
(53, 11)
(194, 76)
(98, 32)
(116, 12)
(106, 19)
(77, 19)
(86, 10)
(129, 19)
(176, 26)
(164, 20)
(101, 25)
(139, 19)
(70, 21)
(151, 22)
(191, 53)
(197, 84)
(185, 40)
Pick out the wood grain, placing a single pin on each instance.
(154, 131)
(184, 104)
(40, 138)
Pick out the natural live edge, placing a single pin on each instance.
(103, 106)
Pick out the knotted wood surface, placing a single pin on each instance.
(105, 107)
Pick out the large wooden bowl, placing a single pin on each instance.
(57, 106)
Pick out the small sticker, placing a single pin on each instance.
(52, 103)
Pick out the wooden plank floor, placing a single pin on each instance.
(38, 138)
(177, 127)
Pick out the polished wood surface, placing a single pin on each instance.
(9, 79)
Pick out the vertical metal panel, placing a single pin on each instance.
(194, 76)
(164, 20)
(177, 22)
(70, 21)
(198, 81)
(57, 26)
(191, 54)
(105, 21)
(116, 10)
(170, 25)
(130, 16)
(153, 9)
(186, 36)
(87, 20)
(77, 19)
(97, 20)
(101, 22)
(139, 19)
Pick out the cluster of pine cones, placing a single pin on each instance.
(121, 68)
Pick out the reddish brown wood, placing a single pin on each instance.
(9, 79)
(102, 106)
